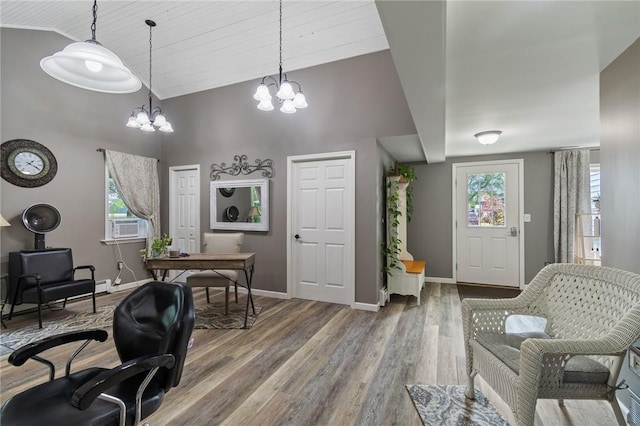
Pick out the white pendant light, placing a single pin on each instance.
(91, 66)
(145, 119)
(488, 137)
(290, 99)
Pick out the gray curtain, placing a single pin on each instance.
(137, 181)
(571, 196)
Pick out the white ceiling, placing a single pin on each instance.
(529, 69)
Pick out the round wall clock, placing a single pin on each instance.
(27, 163)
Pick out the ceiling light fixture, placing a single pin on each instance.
(488, 137)
(290, 100)
(148, 119)
(89, 65)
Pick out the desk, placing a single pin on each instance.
(209, 261)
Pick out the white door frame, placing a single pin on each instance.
(172, 214)
(454, 169)
(291, 161)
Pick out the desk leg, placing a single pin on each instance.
(249, 277)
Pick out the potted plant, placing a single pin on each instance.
(406, 175)
(158, 247)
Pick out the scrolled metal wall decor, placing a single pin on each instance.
(240, 165)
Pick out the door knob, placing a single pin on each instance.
(514, 231)
(297, 237)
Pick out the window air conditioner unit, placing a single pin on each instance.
(125, 228)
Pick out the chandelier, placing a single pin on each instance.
(148, 119)
(89, 65)
(290, 100)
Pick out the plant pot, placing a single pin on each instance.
(158, 252)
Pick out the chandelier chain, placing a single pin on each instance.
(281, 41)
(95, 18)
(150, 66)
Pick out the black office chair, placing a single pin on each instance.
(151, 330)
(41, 276)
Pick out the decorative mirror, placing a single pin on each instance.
(240, 205)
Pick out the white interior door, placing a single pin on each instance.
(321, 227)
(487, 224)
(184, 208)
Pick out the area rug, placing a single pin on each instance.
(447, 406)
(208, 316)
(85, 320)
(211, 315)
(482, 292)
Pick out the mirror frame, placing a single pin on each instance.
(263, 184)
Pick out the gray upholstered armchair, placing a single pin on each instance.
(593, 316)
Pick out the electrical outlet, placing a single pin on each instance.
(634, 360)
(120, 265)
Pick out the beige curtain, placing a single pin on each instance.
(571, 196)
(137, 181)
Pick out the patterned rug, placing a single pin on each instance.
(208, 316)
(447, 405)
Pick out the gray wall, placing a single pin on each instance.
(72, 123)
(351, 102)
(620, 157)
(620, 174)
(430, 233)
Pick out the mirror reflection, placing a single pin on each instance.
(240, 205)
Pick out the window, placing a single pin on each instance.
(120, 222)
(594, 173)
(485, 198)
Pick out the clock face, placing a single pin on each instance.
(27, 163)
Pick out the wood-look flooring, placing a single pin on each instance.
(311, 363)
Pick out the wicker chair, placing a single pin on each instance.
(593, 316)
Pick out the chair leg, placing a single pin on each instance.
(236, 291)
(226, 300)
(207, 290)
(618, 412)
(39, 310)
(560, 402)
(94, 302)
(470, 393)
(64, 304)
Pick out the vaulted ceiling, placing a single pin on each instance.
(528, 68)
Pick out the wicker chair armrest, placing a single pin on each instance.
(489, 315)
(570, 347)
(542, 361)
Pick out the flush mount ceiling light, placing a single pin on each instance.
(89, 65)
(148, 119)
(290, 100)
(489, 137)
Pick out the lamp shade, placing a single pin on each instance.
(88, 65)
(286, 91)
(3, 221)
(488, 137)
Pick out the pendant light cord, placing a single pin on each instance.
(280, 42)
(95, 18)
(150, 67)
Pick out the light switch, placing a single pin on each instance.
(527, 217)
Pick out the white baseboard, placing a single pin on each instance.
(366, 306)
(265, 293)
(103, 286)
(126, 286)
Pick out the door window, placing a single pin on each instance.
(486, 199)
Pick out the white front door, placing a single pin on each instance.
(487, 223)
(321, 216)
(184, 208)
